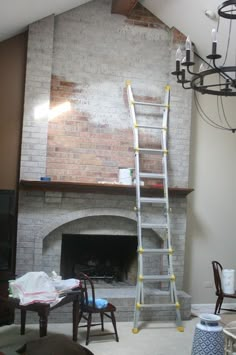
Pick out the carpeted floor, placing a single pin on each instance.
(154, 338)
(226, 318)
(157, 338)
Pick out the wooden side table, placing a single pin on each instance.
(44, 309)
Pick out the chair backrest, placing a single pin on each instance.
(88, 289)
(217, 270)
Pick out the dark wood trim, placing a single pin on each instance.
(123, 7)
(113, 189)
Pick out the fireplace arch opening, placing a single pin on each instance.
(103, 246)
(108, 258)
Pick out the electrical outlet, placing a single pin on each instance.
(208, 284)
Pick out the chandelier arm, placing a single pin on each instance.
(190, 72)
(186, 88)
(212, 66)
(219, 70)
(211, 85)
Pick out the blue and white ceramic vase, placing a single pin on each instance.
(208, 337)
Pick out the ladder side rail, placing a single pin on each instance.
(164, 159)
(137, 168)
(166, 185)
(139, 286)
(173, 290)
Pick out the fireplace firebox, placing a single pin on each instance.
(108, 258)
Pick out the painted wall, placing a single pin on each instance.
(12, 72)
(211, 207)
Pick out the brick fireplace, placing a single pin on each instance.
(77, 130)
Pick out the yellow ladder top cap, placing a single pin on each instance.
(128, 82)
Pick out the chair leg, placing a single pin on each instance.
(102, 320)
(22, 321)
(218, 305)
(114, 325)
(80, 317)
(88, 327)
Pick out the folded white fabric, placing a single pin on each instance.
(65, 285)
(38, 287)
(34, 287)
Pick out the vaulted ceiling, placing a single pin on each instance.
(188, 16)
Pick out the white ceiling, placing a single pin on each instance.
(186, 15)
(16, 15)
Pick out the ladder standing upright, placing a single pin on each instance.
(167, 251)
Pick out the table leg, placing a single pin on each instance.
(75, 318)
(43, 322)
(22, 321)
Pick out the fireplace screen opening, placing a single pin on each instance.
(106, 258)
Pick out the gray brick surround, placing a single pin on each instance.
(44, 217)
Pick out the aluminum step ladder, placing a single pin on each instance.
(141, 201)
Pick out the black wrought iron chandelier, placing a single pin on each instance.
(212, 78)
(225, 81)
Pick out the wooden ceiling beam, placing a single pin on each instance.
(123, 7)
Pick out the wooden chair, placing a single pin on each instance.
(88, 307)
(217, 270)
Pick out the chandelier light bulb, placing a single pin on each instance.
(202, 68)
(178, 55)
(213, 35)
(188, 44)
(211, 14)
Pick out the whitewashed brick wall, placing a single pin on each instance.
(37, 99)
(99, 51)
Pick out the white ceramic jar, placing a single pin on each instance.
(208, 336)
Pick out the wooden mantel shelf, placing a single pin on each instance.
(113, 189)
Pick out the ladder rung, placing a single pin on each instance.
(157, 277)
(151, 127)
(157, 305)
(149, 104)
(153, 226)
(156, 251)
(150, 151)
(157, 200)
(152, 175)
